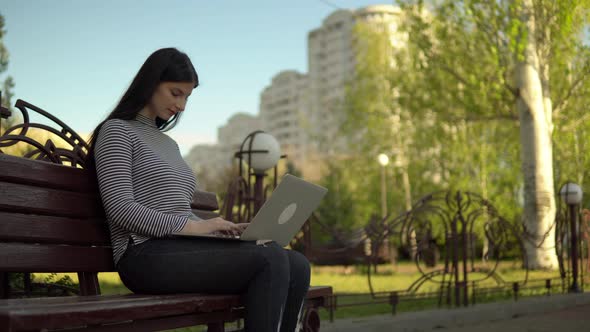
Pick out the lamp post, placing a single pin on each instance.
(262, 152)
(572, 195)
(383, 161)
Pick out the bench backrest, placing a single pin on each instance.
(51, 218)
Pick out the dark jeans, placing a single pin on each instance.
(273, 280)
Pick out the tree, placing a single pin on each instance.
(533, 102)
(8, 83)
(375, 123)
(499, 61)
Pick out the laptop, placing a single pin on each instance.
(284, 213)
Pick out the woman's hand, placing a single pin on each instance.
(223, 227)
(212, 226)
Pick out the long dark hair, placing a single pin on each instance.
(164, 65)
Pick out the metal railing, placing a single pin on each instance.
(441, 299)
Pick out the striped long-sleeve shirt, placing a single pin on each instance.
(145, 185)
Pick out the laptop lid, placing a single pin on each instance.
(284, 213)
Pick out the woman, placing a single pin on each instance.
(146, 189)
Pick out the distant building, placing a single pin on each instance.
(203, 157)
(331, 64)
(214, 159)
(284, 112)
(231, 135)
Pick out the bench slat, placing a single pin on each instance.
(204, 200)
(107, 300)
(37, 200)
(45, 174)
(319, 291)
(76, 311)
(205, 214)
(17, 227)
(21, 257)
(109, 309)
(214, 321)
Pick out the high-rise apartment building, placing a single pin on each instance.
(283, 112)
(331, 61)
(305, 112)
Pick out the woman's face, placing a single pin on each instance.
(168, 99)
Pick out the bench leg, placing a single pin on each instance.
(4, 285)
(215, 327)
(89, 283)
(311, 320)
(28, 287)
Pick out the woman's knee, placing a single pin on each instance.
(275, 255)
(299, 265)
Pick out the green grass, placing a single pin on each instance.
(402, 275)
(353, 279)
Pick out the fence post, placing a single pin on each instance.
(473, 290)
(393, 300)
(548, 286)
(333, 303)
(515, 288)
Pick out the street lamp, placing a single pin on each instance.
(262, 152)
(383, 161)
(572, 195)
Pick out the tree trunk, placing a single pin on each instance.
(407, 189)
(536, 151)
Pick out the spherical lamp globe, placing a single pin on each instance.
(571, 193)
(261, 161)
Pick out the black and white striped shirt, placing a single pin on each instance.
(145, 185)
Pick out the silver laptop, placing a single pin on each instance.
(283, 214)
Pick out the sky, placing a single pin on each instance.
(75, 58)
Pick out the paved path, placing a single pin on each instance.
(558, 313)
(565, 320)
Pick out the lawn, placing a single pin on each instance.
(353, 279)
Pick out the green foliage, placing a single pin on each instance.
(8, 83)
(290, 168)
(7, 94)
(462, 55)
(347, 207)
(17, 282)
(65, 280)
(3, 51)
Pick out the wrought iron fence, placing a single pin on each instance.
(403, 300)
(457, 228)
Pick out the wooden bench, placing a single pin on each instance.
(51, 220)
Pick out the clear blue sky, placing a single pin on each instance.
(75, 58)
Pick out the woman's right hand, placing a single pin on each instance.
(224, 227)
(211, 226)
